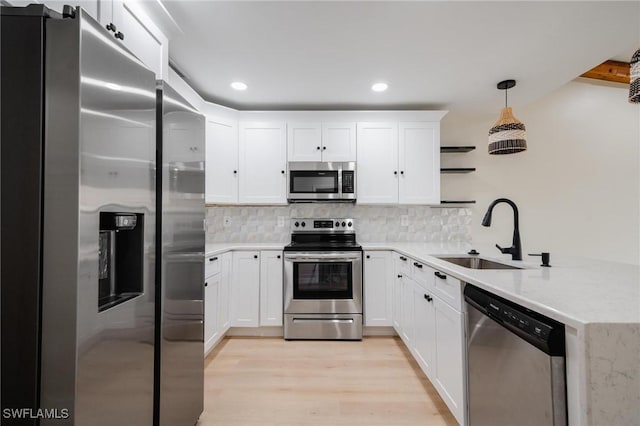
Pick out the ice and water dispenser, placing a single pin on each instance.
(120, 258)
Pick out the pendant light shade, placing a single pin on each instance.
(634, 83)
(508, 135)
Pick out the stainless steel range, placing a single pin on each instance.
(323, 281)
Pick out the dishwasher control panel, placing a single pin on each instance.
(536, 328)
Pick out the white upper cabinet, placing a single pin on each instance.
(139, 33)
(222, 162)
(339, 142)
(263, 163)
(321, 142)
(399, 163)
(377, 163)
(304, 142)
(419, 163)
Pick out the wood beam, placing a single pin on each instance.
(615, 71)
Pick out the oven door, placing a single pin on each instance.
(323, 282)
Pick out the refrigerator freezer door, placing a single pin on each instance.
(180, 344)
(99, 158)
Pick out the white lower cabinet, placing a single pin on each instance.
(378, 288)
(424, 341)
(449, 357)
(271, 288)
(216, 299)
(397, 303)
(211, 299)
(224, 319)
(427, 315)
(407, 320)
(245, 289)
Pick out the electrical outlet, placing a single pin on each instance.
(281, 221)
(404, 220)
(227, 221)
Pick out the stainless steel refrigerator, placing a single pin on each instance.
(88, 330)
(179, 306)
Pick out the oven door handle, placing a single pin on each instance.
(315, 257)
(321, 320)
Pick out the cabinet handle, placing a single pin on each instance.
(278, 256)
(429, 298)
(111, 27)
(235, 172)
(368, 257)
(206, 284)
(399, 276)
(213, 259)
(402, 172)
(119, 35)
(324, 148)
(404, 259)
(440, 275)
(417, 265)
(255, 256)
(282, 171)
(318, 148)
(395, 172)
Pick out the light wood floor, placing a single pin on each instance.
(269, 381)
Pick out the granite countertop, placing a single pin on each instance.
(574, 291)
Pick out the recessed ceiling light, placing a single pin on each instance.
(379, 87)
(238, 85)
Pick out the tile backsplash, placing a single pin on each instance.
(374, 223)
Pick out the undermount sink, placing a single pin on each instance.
(476, 262)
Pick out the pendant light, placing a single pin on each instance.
(508, 134)
(634, 81)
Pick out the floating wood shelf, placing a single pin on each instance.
(458, 170)
(454, 149)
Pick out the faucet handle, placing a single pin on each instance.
(504, 250)
(546, 256)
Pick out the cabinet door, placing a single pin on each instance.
(304, 142)
(449, 359)
(424, 329)
(225, 296)
(419, 163)
(245, 289)
(211, 295)
(407, 308)
(142, 37)
(271, 288)
(378, 288)
(222, 162)
(397, 294)
(377, 163)
(263, 161)
(339, 142)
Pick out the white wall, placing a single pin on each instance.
(577, 186)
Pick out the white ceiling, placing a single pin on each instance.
(448, 55)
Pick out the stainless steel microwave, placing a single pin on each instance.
(321, 181)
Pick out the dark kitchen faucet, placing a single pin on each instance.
(516, 248)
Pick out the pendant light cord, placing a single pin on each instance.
(506, 104)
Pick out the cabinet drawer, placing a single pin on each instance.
(448, 288)
(404, 264)
(422, 273)
(212, 265)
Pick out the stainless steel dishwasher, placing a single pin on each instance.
(516, 364)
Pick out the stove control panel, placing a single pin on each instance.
(323, 225)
